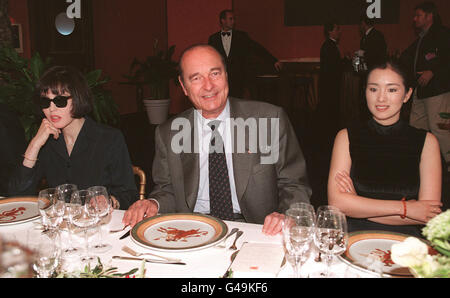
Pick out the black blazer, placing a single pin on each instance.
(375, 48)
(99, 157)
(242, 59)
(434, 55)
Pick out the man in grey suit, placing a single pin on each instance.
(265, 168)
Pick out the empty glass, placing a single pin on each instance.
(51, 209)
(303, 205)
(82, 214)
(327, 207)
(298, 231)
(65, 192)
(46, 255)
(103, 206)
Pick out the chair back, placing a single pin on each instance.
(142, 181)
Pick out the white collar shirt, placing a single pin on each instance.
(226, 41)
(204, 137)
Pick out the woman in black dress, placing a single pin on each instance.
(385, 174)
(70, 147)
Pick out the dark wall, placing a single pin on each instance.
(318, 12)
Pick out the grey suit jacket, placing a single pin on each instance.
(261, 188)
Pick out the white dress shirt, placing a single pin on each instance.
(226, 42)
(204, 138)
(368, 31)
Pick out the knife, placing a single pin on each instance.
(149, 260)
(125, 235)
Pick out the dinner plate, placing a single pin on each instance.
(17, 210)
(179, 232)
(370, 251)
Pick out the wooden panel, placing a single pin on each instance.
(75, 49)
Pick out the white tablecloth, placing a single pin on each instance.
(206, 263)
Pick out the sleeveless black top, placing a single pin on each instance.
(385, 165)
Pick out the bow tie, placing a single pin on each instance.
(226, 33)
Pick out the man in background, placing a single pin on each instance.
(428, 59)
(330, 78)
(240, 53)
(373, 43)
(326, 120)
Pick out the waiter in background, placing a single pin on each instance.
(239, 50)
(372, 43)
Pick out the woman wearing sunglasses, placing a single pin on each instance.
(70, 147)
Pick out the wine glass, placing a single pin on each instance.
(103, 205)
(298, 231)
(82, 214)
(51, 209)
(65, 192)
(46, 255)
(327, 207)
(303, 205)
(331, 236)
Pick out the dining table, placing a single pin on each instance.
(203, 262)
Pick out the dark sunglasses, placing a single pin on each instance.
(59, 101)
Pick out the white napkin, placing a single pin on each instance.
(258, 260)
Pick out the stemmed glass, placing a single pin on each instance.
(65, 192)
(298, 231)
(51, 209)
(331, 236)
(46, 256)
(103, 205)
(303, 205)
(82, 214)
(327, 207)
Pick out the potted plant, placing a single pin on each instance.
(18, 78)
(151, 78)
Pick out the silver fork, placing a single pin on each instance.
(239, 234)
(224, 244)
(138, 254)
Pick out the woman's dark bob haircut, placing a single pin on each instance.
(396, 67)
(66, 79)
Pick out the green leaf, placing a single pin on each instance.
(92, 77)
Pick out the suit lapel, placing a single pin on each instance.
(86, 140)
(242, 162)
(219, 47)
(233, 39)
(190, 167)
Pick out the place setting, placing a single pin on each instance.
(69, 223)
(16, 210)
(179, 232)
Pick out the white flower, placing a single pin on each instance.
(410, 253)
(437, 230)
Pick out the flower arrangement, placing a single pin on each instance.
(415, 254)
(99, 271)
